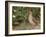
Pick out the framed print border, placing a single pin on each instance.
(6, 18)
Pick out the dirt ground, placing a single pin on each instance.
(26, 26)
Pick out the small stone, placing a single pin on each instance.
(14, 10)
(14, 16)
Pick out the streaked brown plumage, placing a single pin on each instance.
(31, 19)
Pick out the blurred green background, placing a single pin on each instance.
(20, 14)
